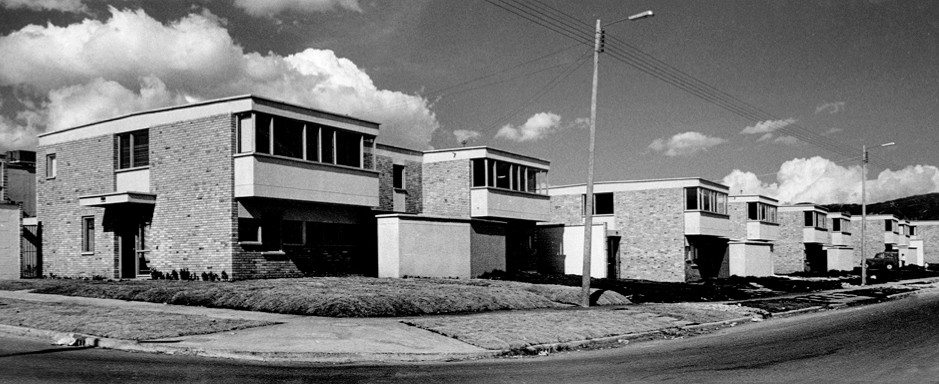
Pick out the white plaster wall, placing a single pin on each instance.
(425, 248)
(9, 242)
(574, 250)
(841, 259)
(750, 259)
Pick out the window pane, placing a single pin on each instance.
(821, 220)
(367, 155)
(262, 134)
(836, 225)
(348, 148)
(809, 217)
(398, 176)
(141, 148)
(705, 199)
(249, 229)
(603, 203)
(513, 172)
(532, 181)
(288, 138)
(292, 231)
(691, 198)
(88, 234)
(327, 144)
(123, 145)
(502, 174)
(752, 212)
(50, 165)
(479, 172)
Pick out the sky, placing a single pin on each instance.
(771, 97)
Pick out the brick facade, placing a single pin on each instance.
(413, 178)
(446, 189)
(653, 238)
(738, 220)
(874, 234)
(789, 252)
(929, 233)
(85, 167)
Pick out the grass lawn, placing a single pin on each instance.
(328, 296)
(111, 322)
(509, 330)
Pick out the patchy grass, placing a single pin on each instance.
(645, 291)
(513, 330)
(330, 296)
(780, 305)
(114, 323)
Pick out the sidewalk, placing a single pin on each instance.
(337, 340)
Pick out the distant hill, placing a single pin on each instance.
(919, 207)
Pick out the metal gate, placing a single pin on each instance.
(31, 251)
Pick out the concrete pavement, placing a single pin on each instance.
(321, 339)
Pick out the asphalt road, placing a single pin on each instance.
(890, 342)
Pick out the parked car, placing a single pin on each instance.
(887, 261)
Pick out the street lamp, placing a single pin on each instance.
(864, 209)
(588, 196)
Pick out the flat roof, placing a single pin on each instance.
(637, 185)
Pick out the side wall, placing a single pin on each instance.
(930, 236)
(446, 187)
(790, 250)
(413, 184)
(423, 248)
(738, 220)
(652, 225)
(874, 234)
(9, 241)
(84, 167)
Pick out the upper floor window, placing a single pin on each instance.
(88, 234)
(702, 199)
(761, 212)
(841, 225)
(912, 230)
(816, 219)
(133, 149)
(280, 136)
(51, 166)
(890, 226)
(397, 171)
(505, 175)
(602, 203)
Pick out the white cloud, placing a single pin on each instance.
(464, 135)
(832, 131)
(273, 7)
(537, 126)
(767, 126)
(821, 181)
(45, 5)
(832, 108)
(85, 71)
(785, 139)
(685, 144)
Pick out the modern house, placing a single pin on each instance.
(479, 214)
(841, 248)
(754, 229)
(20, 253)
(663, 230)
(882, 233)
(259, 188)
(908, 246)
(803, 237)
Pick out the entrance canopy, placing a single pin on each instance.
(114, 198)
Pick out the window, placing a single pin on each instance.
(761, 212)
(479, 172)
(912, 231)
(348, 149)
(312, 143)
(143, 252)
(398, 176)
(602, 203)
(133, 149)
(896, 228)
(500, 174)
(292, 231)
(288, 138)
(701, 199)
(836, 225)
(815, 219)
(327, 140)
(51, 166)
(262, 133)
(249, 230)
(88, 234)
(888, 225)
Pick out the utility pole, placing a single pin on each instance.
(863, 214)
(588, 196)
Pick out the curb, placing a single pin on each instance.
(614, 340)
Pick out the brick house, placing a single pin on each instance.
(479, 212)
(754, 229)
(663, 230)
(803, 237)
(882, 234)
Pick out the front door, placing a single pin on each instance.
(134, 251)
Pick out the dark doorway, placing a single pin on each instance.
(816, 258)
(612, 257)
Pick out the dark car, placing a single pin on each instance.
(887, 261)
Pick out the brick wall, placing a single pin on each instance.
(446, 186)
(875, 239)
(85, 167)
(567, 209)
(738, 220)
(930, 236)
(192, 174)
(789, 250)
(413, 183)
(652, 225)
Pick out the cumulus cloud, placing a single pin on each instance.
(87, 71)
(45, 5)
(832, 108)
(767, 126)
(822, 181)
(273, 7)
(464, 135)
(537, 126)
(685, 144)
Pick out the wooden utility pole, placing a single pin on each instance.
(588, 196)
